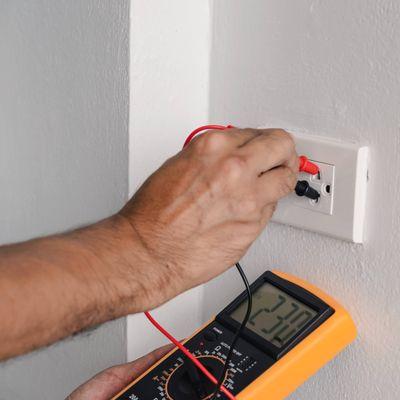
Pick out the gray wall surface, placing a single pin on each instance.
(64, 101)
(331, 68)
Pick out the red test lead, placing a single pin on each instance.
(205, 128)
(307, 166)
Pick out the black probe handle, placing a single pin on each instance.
(303, 188)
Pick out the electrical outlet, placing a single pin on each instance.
(342, 183)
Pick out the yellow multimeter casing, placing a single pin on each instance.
(307, 357)
(263, 368)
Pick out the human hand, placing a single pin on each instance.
(190, 221)
(199, 212)
(108, 383)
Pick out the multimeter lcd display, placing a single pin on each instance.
(276, 316)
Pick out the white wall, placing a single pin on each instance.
(63, 155)
(328, 67)
(331, 68)
(170, 42)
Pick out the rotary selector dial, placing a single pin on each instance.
(179, 385)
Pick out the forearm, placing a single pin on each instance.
(53, 287)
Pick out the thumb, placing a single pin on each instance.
(112, 380)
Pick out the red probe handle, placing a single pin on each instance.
(305, 165)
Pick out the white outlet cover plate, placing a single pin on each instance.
(343, 217)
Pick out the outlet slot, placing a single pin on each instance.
(326, 189)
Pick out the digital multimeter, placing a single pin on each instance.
(294, 329)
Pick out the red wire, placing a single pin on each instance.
(204, 128)
(188, 354)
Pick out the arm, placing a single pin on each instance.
(56, 286)
(207, 203)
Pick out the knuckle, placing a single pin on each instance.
(288, 181)
(210, 142)
(285, 138)
(233, 168)
(249, 131)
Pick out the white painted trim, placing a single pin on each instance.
(169, 92)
